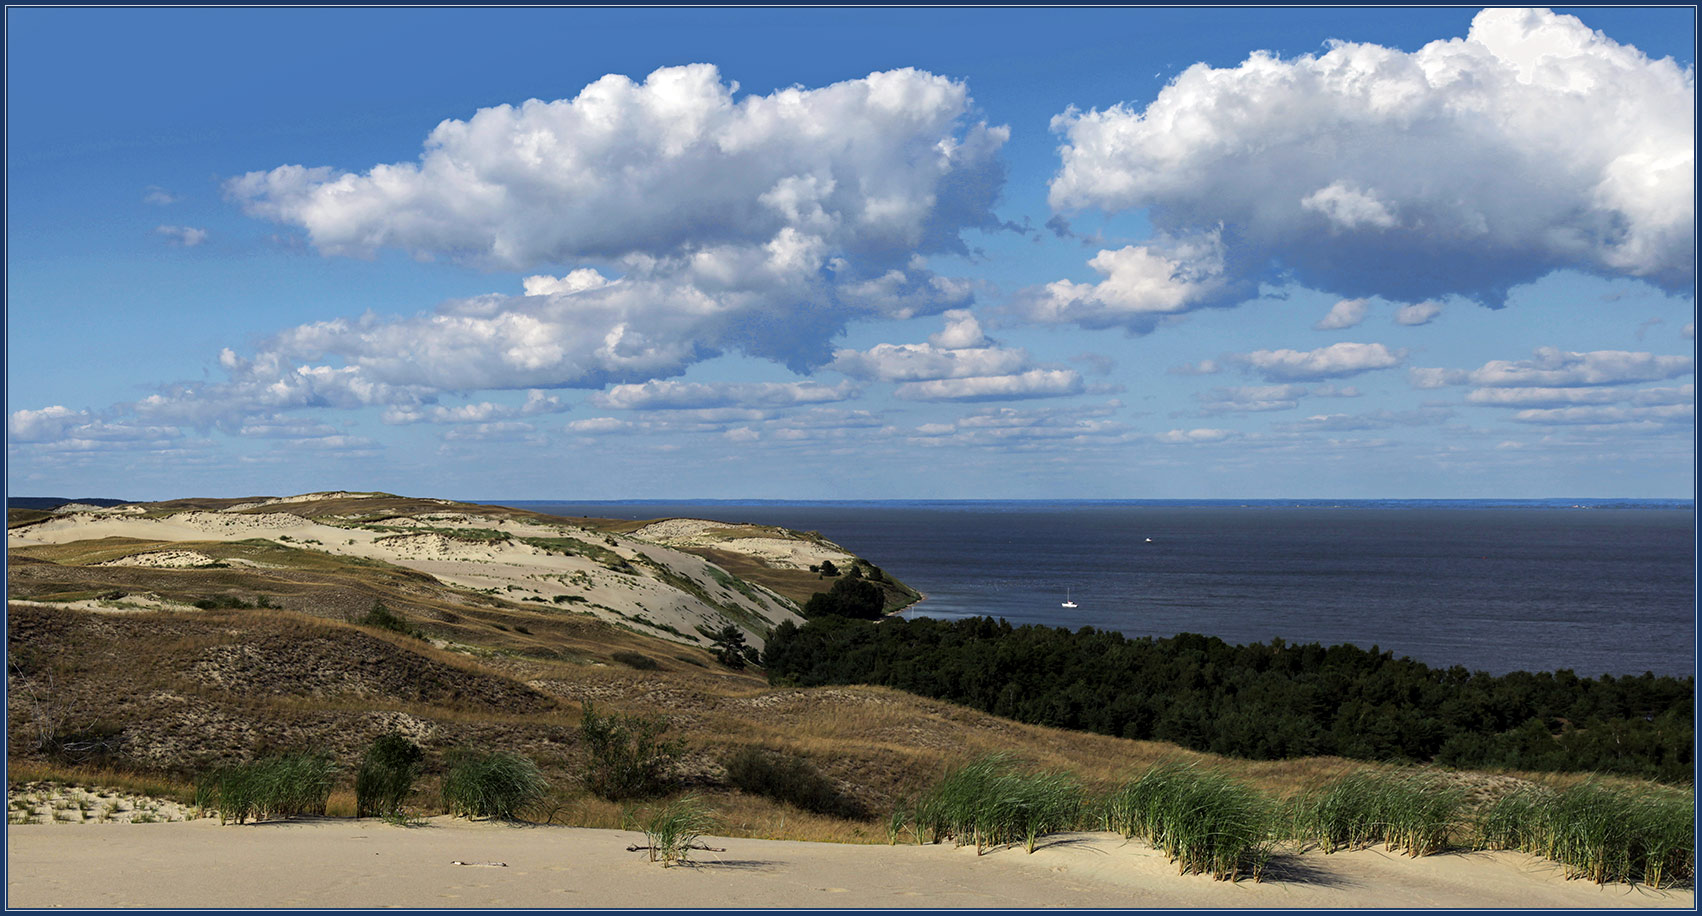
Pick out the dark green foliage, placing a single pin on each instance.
(224, 602)
(626, 756)
(385, 619)
(636, 660)
(730, 647)
(386, 775)
(848, 597)
(828, 570)
(1263, 701)
(496, 784)
(788, 778)
(284, 786)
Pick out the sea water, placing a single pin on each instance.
(1597, 587)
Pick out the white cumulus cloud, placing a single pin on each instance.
(1417, 313)
(1467, 166)
(671, 395)
(1344, 314)
(1035, 383)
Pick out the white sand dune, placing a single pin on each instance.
(512, 569)
(344, 863)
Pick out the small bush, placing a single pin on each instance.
(857, 598)
(496, 784)
(1405, 811)
(385, 619)
(790, 779)
(626, 756)
(386, 775)
(636, 660)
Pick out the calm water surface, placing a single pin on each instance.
(1599, 590)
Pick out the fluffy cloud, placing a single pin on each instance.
(64, 427)
(158, 196)
(1142, 285)
(1553, 368)
(1195, 436)
(1334, 361)
(186, 236)
(1035, 383)
(667, 395)
(1344, 314)
(1595, 416)
(1011, 428)
(1465, 167)
(962, 331)
(871, 170)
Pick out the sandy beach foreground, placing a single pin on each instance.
(345, 863)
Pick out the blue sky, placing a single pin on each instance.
(1114, 253)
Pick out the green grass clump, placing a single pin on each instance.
(290, 785)
(386, 775)
(497, 784)
(993, 802)
(672, 833)
(1407, 811)
(1204, 822)
(1599, 832)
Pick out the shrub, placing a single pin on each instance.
(636, 660)
(275, 787)
(626, 757)
(385, 619)
(496, 784)
(386, 775)
(788, 778)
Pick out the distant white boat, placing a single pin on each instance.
(1067, 601)
(1149, 540)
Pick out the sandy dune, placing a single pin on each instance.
(510, 568)
(341, 863)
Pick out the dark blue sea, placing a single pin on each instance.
(1597, 587)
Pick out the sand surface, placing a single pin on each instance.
(448, 863)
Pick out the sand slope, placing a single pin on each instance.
(341, 863)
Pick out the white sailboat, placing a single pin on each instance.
(1067, 601)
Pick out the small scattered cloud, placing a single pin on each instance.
(669, 395)
(1035, 383)
(1346, 313)
(186, 236)
(1417, 313)
(1551, 367)
(1334, 361)
(158, 196)
(1196, 436)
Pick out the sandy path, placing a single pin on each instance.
(340, 863)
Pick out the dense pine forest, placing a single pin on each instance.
(1263, 701)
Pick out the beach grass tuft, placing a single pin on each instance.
(1204, 822)
(1407, 811)
(1600, 832)
(993, 801)
(496, 784)
(673, 831)
(289, 785)
(386, 775)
